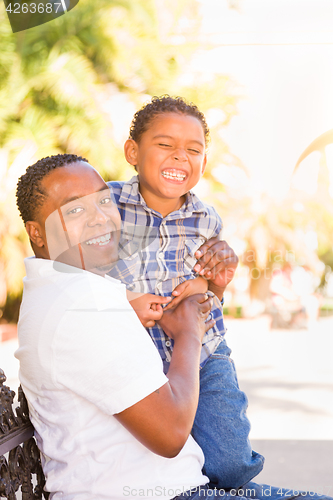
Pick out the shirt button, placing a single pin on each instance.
(168, 343)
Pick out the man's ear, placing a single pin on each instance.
(35, 234)
(204, 165)
(131, 152)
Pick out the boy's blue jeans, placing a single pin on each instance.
(221, 426)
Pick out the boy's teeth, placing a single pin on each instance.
(174, 175)
(102, 240)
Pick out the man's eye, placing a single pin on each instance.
(75, 210)
(106, 200)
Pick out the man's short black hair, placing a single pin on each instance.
(160, 105)
(29, 193)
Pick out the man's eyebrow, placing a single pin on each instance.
(73, 198)
(161, 136)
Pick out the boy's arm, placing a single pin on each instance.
(163, 420)
(148, 307)
(187, 288)
(217, 262)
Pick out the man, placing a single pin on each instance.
(108, 422)
(90, 372)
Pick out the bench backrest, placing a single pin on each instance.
(22, 469)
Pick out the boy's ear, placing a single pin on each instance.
(131, 151)
(204, 164)
(35, 234)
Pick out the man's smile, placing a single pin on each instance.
(100, 240)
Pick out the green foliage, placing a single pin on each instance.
(57, 81)
(58, 86)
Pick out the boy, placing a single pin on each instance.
(164, 225)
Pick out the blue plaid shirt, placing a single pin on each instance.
(157, 253)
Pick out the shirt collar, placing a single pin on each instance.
(37, 267)
(130, 194)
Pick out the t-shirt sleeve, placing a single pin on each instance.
(106, 356)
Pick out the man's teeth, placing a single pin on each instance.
(174, 175)
(102, 240)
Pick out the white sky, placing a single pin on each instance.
(281, 52)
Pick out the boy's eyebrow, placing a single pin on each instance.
(170, 137)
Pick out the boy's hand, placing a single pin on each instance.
(217, 262)
(147, 307)
(187, 288)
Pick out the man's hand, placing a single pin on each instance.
(163, 420)
(147, 306)
(217, 262)
(188, 317)
(187, 288)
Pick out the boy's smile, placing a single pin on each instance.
(170, 159)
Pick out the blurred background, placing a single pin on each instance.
(262, 72)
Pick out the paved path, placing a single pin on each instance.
(297, 464)
(288, 377)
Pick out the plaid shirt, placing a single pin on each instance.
(157, 253)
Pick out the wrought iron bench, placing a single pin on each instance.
(21, 471)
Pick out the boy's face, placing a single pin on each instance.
(78, 223)
(170, 159)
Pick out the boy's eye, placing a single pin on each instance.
(194, 151)
(165, 145)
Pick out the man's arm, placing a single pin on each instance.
(163, 420)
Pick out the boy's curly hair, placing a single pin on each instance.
(29, 192)
(164, 104)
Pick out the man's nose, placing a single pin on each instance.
(97, 216)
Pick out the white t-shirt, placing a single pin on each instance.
(85, 356)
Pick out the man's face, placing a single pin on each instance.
(79, 222)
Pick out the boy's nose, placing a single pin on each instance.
(180, 155)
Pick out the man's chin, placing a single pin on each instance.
(101, 265)
(102, 270)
